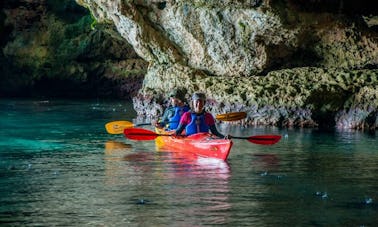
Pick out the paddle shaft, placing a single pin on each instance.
(255, 138)
(117, 127)
(144, 134)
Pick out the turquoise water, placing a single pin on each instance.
(58, 166)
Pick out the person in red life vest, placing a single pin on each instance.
(198, 120)
(173, 113)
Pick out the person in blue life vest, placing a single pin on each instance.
(198, 120)
(178, 106)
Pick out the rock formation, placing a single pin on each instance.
(283, 62)
(50, 48)
(286, 63)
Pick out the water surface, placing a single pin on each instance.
(58, 166)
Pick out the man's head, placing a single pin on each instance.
(177, 96)
(199, 100)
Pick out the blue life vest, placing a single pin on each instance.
(175, 119)
(197, 124)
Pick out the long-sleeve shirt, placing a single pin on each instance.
(168, 114)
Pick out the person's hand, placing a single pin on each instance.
(228, 137)
(155, 123)
(176, 135)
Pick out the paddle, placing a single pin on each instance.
(117, 127)
(233, 116)
(144, 134)
(141, 134)
(261, 139)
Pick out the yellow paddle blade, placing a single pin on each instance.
(233, 116)
(117, 127)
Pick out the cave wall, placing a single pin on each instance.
(238, 52)
(52, 49)
(286, 63)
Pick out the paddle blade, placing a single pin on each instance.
(117, 127)
(233, 116)
(264, 139)
(139, 134)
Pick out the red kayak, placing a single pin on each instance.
(201, 144)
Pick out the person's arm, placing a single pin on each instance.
(179, 129)
(184, 121)
(209, 120)
(168, 113)
(215, 131)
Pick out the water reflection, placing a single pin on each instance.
(58, 166)
(268, 161)
(114, 146)
(201, 188)
(194, 187)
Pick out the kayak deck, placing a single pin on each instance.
(201, 144)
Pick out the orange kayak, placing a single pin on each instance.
(201, 144)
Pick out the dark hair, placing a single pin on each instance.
(199, 95)
(178, 94)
